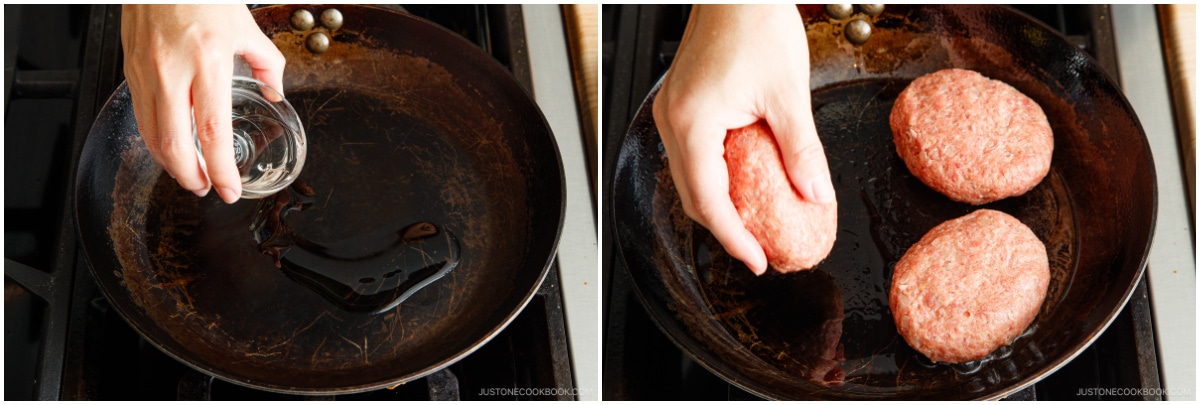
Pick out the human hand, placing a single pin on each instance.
(179, 61)
(736, 65)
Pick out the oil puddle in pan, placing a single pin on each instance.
(363, 225)
(371, 272)
(787, 320)
(375, 169)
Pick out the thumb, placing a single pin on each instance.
(803, 155)
(265, 59)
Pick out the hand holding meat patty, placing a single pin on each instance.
(737, 65)
(795, 233)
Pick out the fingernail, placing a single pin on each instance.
(228, 195)
(823, 191)
(759, 271)
(201, 192)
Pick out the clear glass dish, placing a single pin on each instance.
(269, 145)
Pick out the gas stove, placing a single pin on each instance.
(1141, 355)
(64, 341)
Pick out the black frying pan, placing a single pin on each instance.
(828, 334)
(407, 123)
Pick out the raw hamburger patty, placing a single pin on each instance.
(974, 139)
(969, 286)
(795, 234)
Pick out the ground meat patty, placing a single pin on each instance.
(974, 139)
(795, 234)
(969, 286)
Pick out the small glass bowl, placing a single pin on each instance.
(269, 145)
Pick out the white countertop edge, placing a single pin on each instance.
(577, 249)
(1172, 263)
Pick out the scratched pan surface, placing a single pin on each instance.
(406, 122)
(829, 334)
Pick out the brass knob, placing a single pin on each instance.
(331, 19)
(302, 20)
(858, 31)
(839, 11)
(871, 9)
(318, 42)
